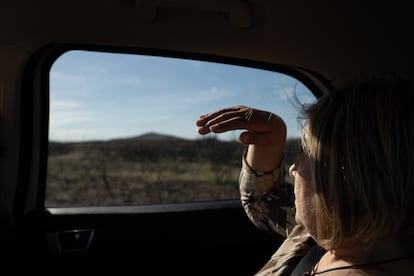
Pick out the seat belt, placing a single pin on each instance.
(308, 261)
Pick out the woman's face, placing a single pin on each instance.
(304, 192)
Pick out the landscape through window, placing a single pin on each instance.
(122, 127)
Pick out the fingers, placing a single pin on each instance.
(261, 127)
(222, 120)
(223, 124)
(206, 118)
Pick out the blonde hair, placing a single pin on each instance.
(361, 144)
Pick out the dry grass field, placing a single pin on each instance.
(149, 169)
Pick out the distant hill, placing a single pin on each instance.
(154, 146)
(150, 136)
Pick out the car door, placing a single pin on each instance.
(113, 172)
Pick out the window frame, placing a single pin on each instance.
(35, 120)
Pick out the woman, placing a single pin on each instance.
(353, 183)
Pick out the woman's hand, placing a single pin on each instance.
(265, 133)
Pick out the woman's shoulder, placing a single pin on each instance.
(403, 267)
(400, 271)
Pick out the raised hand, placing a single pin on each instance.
(265, 132)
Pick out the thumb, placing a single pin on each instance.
(245, 138)
(259, 138)
(249, 137)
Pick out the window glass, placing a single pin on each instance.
(122, 127)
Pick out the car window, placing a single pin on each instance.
(122, 127)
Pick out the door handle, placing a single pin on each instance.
(76, 240)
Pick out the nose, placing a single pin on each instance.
(293, 169)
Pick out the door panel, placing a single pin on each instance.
(185, 242)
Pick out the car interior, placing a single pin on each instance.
(100, 162)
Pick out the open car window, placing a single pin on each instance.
(122, 127)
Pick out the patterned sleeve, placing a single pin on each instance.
(267, 199)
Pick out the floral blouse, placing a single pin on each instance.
(269, 203)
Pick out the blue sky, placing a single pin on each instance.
(101, 96)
